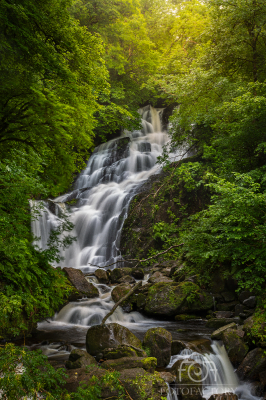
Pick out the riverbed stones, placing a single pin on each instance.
(217, 335)
(169, 299)
(235, 346)
(78, 280)
(101, 337)
(148, 363)
(252, 365)
(158, 341)
(101, 275)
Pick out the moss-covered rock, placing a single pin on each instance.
(169, 299)
(101, 337)
(80, 283)
(188, 379)
(101, 275)
(141, 385)
(118, 273)
(120, 291)
(159, 277)
(158, 341)
(148, 363)
(79, 359)
(138, 273)
(123, 351)
(185, 317)
(255, 329)
(177, 346)
(235, 346)
(217, 335)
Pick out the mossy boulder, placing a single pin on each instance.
(159, 277)
(148, 363)
(235, 346)
(120, 291)
(217, 335)
(255, 330)
(138, 273)
(185, 317)
(79, 359)
(101, 275)
(252, 365)
(158, 341)
(123, 351)
(169, 299)
(126, 279)
(177, 346)
(101, 337)
(142, 385)
(118, 273)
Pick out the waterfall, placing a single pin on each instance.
(217, 374)
(103, 192)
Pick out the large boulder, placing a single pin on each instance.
(79, 359)
(158, 341)
(217, 335)
(78, 280)
(234, 344)
(138, 273)
(159, 277)
(169, 299)
(148, 363)
(101, 275)
(252, 365)
(177, 346)
(101, 337)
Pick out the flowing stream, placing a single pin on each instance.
(102, 194)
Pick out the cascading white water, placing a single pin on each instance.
(217, 374)
(104, 190)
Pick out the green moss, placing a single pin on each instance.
(149, 364)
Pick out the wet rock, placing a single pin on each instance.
(101, 275)
(138, 273)
(123, 351)
(148, 363)
(217, 323)
(79, 359)
(224, 314)
(244, 295)
(257, 389)
(253, 364)
(250, 302)
(167, 377)
(158, 341)
(142, 385)
(228, 296)
(201, 346)
(262, 376)
(101, 337)
(118, 273)
(235, 346)
(159, 277)
(254, 335)
(227, 306)
(177, 346)
(217, 335)
(120, 291)
(78, 280)
(224, 396)
(126, 279)
(169, 299)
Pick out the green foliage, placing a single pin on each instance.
(26, 373)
